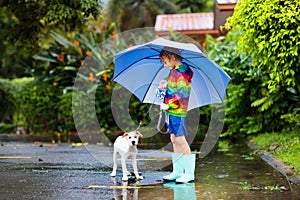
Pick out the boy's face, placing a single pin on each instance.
(169, 62)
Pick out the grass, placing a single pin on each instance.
(284, 146)
(248, 186)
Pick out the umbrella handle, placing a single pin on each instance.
(158, 124)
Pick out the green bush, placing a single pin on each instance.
(65, 115)
(240, 88)
(39, 107)
(6, 128)
(55, 72)
(32, 103)
(7, 105)
(19, 85)
(260, 52)
(90, 58)
(270, 33)
(11, 101)
(247, 87)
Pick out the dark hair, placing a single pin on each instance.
(167, 52)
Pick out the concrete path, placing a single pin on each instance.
(62, 171)
(52, 171)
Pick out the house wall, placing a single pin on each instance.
(221, 13)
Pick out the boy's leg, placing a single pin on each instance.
(180, 144)
(181, 150)
(188, 160)
(178, 166)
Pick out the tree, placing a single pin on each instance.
(130, 14)
(270, 34)
(24, 23)
(30, 17)
(194, 6)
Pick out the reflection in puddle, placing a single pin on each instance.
(234, 174)
(124, 192)
(186, 191)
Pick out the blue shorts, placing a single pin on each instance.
(176, 125)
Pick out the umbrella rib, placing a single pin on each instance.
(149, 57)
(152, 48)
(152, 82)
(206, 77)
(181, 50)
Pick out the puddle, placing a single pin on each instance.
(234, 173)
(72, 173)
(224, 174)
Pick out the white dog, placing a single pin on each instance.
(125, 145)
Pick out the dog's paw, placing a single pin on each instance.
(113, 174)
(125, 178)
(139, 178)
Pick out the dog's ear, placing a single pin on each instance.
(125, 134)
(139, 133)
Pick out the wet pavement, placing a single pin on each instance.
(63, 171)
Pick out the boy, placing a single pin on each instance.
(175, 105)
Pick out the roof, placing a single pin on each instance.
(226, 1)
(178, 22)
(226, 5)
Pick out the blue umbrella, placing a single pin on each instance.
(139, 69)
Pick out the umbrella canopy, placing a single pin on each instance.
(140, 70)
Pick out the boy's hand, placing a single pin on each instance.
(163, 84)
(164, 106)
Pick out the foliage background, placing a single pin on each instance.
(27, 23)
(269, 33)
(260, 53)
